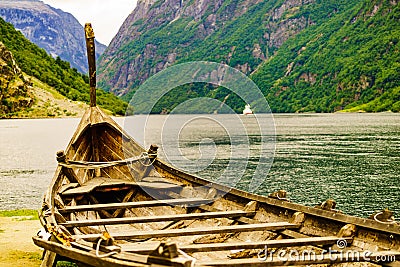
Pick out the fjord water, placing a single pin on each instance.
(28, 159)
(352, 158)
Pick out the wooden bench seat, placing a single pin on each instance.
(104, 184)
(161, 218)
(137, 204)
(147, 247)
(194, 231)
(315, 241)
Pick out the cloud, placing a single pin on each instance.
(106, 16)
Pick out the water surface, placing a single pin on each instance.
(352, 158)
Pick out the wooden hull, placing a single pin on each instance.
(112, 203)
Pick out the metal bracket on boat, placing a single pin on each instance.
(280, 194)
(166, 250)
(384, 216)
(108, 241)
(329, 205)
(169, 254)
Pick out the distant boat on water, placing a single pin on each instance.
(247, 110)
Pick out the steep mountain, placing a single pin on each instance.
(54, 30)
(350, 62)
(56, 73)
(305, 55)
(239, 33)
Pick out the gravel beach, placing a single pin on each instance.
(16, 246)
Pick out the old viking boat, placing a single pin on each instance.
(113, 203)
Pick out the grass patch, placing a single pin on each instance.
(21, 258)
(24, 214)
(32, 256)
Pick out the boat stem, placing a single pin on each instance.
(91, 54)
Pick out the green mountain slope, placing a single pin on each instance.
(57, 73)
(14, 94)
(352, 62)
(305, 55)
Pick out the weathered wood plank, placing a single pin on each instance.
(195, 231)
(95, 144)
(150, 246)
(102, 182)
(162, 218)
(152, 260)
(156, 179)
(326, 258)
(81, 145)
(115, 152)
(87, 187)
(81, 128)
(116, 143)
(138, 204)
(87, 257)
(140, 247)
(160, 186)
(293, 234)
(120, 172)
(315, 241)
(85, 155)
(244, 220)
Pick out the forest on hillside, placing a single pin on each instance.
(55, 72)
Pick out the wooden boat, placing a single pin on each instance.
(113, 203)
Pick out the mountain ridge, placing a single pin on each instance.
(53, 75)
(52, 29)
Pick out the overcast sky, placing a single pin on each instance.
(106, 16)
